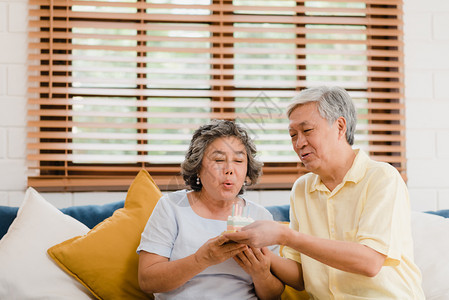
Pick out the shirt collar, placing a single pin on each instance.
(354, 174)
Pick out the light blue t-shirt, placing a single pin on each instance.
(175, 231)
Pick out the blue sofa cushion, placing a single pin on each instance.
(443, 213)
(280, 212)
(89, 215)
(7, 215)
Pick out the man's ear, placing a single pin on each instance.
(341, 125)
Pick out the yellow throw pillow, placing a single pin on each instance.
(292, 294)
(105, 259)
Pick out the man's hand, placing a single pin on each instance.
(258, 234)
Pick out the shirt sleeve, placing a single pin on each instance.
(161, 230)
(385, 216)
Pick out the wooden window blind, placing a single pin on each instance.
(116, 86)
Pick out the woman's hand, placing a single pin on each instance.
(155, 269)
(217, 250)
(256, 262)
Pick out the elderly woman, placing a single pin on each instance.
(183, 254)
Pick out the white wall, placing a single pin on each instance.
(13, 49)
(427, 101)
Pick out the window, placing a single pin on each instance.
(120, 86)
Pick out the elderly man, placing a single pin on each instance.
(350, 235)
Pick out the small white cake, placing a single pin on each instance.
(235, 223)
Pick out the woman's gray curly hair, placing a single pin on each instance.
(203, 137)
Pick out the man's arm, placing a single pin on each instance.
(346, 256)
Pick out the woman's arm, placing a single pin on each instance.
(157, 274)
(256, 262)
(288, 271)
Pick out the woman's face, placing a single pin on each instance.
(223, 169)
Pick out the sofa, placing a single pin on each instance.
(88, 252)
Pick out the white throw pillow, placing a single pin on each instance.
(431, 247)
(26, 270)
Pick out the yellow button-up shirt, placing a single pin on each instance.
(370, 207)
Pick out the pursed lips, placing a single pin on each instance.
(228, 183)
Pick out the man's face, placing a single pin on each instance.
(313, 139)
